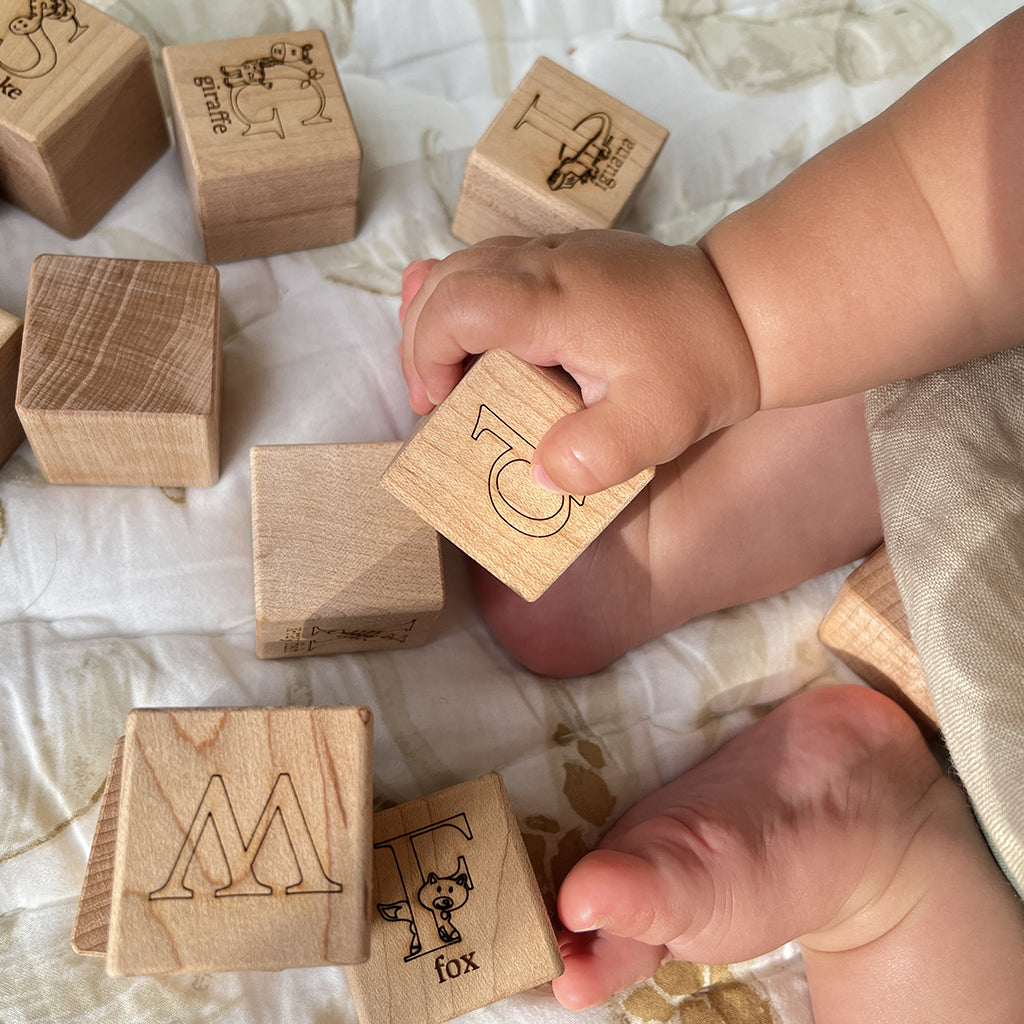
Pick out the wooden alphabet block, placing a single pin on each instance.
(243, 840)
(120, 371)
(338, 563)
(466, 471)
(267, 143)
(867, 628)
(458, 921)
(560, 155)
(80, 114)
(11, 431)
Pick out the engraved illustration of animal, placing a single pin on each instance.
(32, 27)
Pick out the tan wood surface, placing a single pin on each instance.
(11, 431)
(466, 471)
(80, 116)
(243, 840)
(560, 155)
(867, 627)
(338, 563)
(120, 371)
(267, 143)
(457, 921)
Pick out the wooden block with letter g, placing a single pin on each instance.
(11, 430)
(80, 114)
(458, 921)
(466, 471)
(338, 563)
(120, 371)
(243, 840)
(560, 155)
(267, 143)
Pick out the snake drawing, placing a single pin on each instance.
(32, 27)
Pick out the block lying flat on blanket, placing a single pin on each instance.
(466, 471)
(243, 841)
(11, 431)
(458, 920)
(867, 627)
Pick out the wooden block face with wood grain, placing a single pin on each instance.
(466, 471)
(339, 565)
(11, 431)
(267, 143)
(560, 155)
(120, 377)
(867, 628)
(243, 840)
(80, 113)
(458, 921)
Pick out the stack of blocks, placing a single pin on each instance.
(560, 155)
(80, 114)
(267, 144)
(242, 839)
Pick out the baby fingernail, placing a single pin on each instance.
(541, 479)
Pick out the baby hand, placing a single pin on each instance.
(647, 331)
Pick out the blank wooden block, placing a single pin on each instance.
(458, 920)
(560, 155)
(11, 431)
(80, 114)
(267, 143)
(867, 627)
(338, 563)
(466, 471)
(120, 371)
(243, 840)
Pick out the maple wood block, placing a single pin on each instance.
(11, 431)
(466, 471)
(338, 563)
(80, 114)
(867, 628)
(458, 920)
(560, 155)
(243, 840)
(120, 371)
(267, 143)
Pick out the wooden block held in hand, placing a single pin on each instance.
(11, 431)
(458, 921)
(243, 840)
(867, 628)
(120, 371)
(267, 143)
(560, 155)
(338, 563)
(80, 114)
(466, 471)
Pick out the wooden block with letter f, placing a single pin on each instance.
(466, 471)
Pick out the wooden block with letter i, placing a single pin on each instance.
(120, 371)
(338, 563)
(243, 840)
(458, 921)
(11, 431)
(267, 143)
(560, 155)
(80, 114)
(466, 471)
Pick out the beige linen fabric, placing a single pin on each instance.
(949, 458)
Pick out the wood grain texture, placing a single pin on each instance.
(338, 563)
(458, 921)
(867, 627)
(120, 377)
(92, 917)
(267, 143)
(560, 155)
(86, 120)
(466, 471)
(11, 431)
(243, 840)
